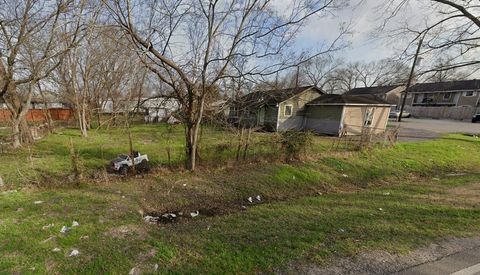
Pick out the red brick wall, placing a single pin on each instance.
(36, 115)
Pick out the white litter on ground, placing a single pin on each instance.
(250, 199)
(48, 226)
(56, 249)
(194, 214)
(74, 253)
(380, 209)
(38, 202)
(134, 271)
(75, 223)
(150, 219)
(386, 194)
(345, 175)
(258, 198)
(64, 229)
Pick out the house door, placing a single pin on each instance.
(261, 117)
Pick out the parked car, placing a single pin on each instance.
(396, 114)
(123, 163)
(476, 118)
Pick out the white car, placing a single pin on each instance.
(123, 163)
(396, 114)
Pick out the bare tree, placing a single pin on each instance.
(29, 36)
(451, 29)
(192, 45)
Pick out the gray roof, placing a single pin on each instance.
(348, 100)
(273, 97)
(459, 85)
(372, 90)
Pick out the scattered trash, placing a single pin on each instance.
(386, 194)
(341, 230)
(258, 198)
(56, 249)
(250, 199)
(123, 163)
(194, 214)
(64, 229)
(38, 202)
(74, 253)
(208, 228)
(169, 217)
(48, 226)
(184, 185)
(380, 209)
(123, 197)
(345, 175)
(155, 267)
(75, 223)
(436, 179)
(244, 207)
(151, 219)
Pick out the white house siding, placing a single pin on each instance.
(297, 120)
(324, 119)
(354, 118)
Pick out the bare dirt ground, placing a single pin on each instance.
(412, 129)
(381, 262)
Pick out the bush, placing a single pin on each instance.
(295, 143)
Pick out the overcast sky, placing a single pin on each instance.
(363, 17)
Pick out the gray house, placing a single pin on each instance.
(450, 100)
(274, 110)
(341, 115)
(392, 94)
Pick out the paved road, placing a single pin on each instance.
(466, 262)
(414, 129)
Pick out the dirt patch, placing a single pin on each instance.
(461, 196)
(382, 262)
(129, 231)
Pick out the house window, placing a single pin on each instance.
(369, 117)
(469, 93)
(447, 96)
(288, 110)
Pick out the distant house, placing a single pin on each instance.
(154, 109)
(274, 110)
(450, 100)
(391, 94)
(158, 109)
(340, 115)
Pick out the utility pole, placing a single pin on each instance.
(410, 78)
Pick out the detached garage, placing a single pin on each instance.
(340, 115)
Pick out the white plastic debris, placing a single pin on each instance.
(380, 209)
(75, 223)
(64, 229)
(258, 198)
(48, 226)
(169, 215)
(194, 214)
(38, 202)
(56, 249)
(74, 253)
(250, 199)
(155, 267)
(341, 230)
(345, 175)
(386, 194)
(150, 219)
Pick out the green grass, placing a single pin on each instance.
(313, 211)
(311, 229)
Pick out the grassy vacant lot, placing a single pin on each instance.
(335, 204)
